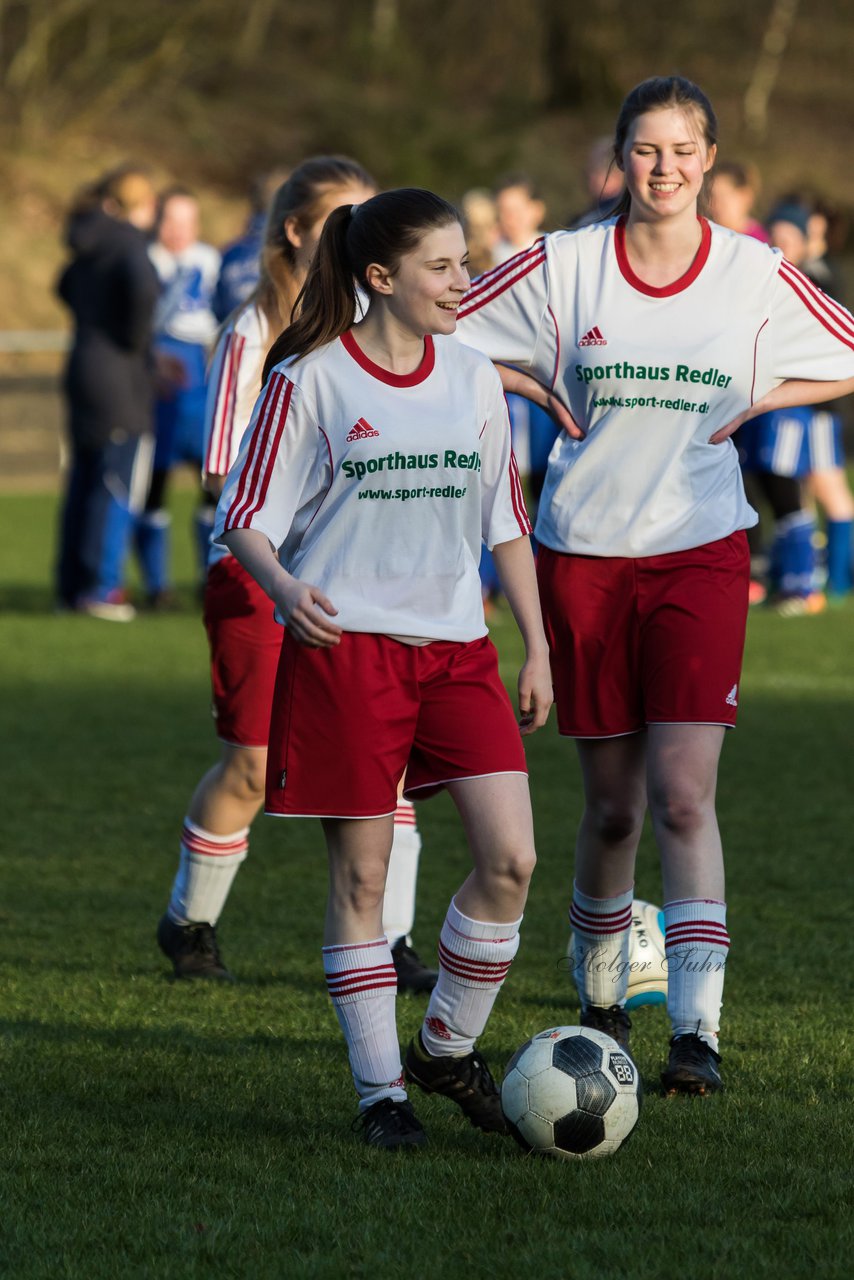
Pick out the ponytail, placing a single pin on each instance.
(326, 304)
(381, 230)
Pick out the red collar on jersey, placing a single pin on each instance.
(423, 371)
(677, 286)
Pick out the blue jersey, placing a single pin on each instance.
(791, 442)
(238, 274)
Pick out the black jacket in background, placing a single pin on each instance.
(111, 288)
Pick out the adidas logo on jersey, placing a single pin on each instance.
(361, 431)
(593, 338)
(731, 699)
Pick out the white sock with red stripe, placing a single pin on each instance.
(362, 984)
(474, 958)
(206, 870)
(696, 945)
(399, 900)
(600, 958)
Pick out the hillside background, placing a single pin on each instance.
(447, 95)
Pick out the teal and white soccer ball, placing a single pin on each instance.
(571, 1093)
(647, 964)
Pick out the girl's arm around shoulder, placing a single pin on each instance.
(302, 605)
(515, 565)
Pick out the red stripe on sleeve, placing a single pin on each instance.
(517, 496)
(473, 304)
(823, 300)
(495, 274)
(270, 420)
(815, 304)
(214, 444)
(557, 346)
(228, 435)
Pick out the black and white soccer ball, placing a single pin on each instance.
(571, 1092)
(647, 963)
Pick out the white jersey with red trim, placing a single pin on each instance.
(650, 374)
(234, 381)
(379, 488)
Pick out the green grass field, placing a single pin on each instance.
(160, 1130)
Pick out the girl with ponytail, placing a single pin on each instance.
(377, 460)
(244, 637)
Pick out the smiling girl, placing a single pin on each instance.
(652, 335)
(377, 460)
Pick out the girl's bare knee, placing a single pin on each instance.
(361, 889)
(614, 822)
(514, 868)
(682, 810)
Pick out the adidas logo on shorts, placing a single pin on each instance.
(361, 431)
(731, 699)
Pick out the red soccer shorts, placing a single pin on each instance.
(653, 640)
(348, 720)
(245, 643)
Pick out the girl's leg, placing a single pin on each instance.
(477, 944)
(357, 959)
(831, 490)
(682, 771)
(214, 842)
(682, 778)
(614, 776)
(499, 827)
(215, 839)
(792, 566)
(399, 900)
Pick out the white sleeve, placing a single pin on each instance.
(221, 401)
(503, 313)
(271, 478)
(810, 335)
(503, 512)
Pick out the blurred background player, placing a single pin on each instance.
(603, 182)
(241, 260)
(111, 290)
(480, 223)
(733, 191)
(185, 329)
(789, 448)
(519, 211)
(244, 638)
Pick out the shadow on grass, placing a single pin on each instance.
(27, 599)
(144, 1039)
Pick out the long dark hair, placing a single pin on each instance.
(382, 230)
(299, 196)
(655, 94)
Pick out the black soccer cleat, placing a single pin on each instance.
(692, 1067)
(613, 1021)
(466, 1081)
(193, 950)
(390, 1125)
(413, 976)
